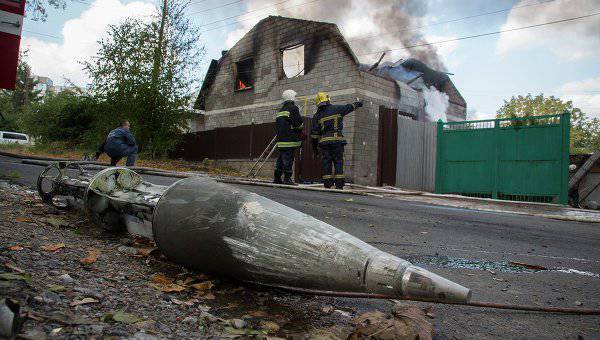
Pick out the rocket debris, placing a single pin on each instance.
(221, 229)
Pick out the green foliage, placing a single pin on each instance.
(145, 72)
(14, 103)
(65, 116)
(38, 9)
(585, 132)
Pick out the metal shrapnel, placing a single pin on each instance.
(224, 230)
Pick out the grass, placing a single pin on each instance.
(11, 175)
(61, 150)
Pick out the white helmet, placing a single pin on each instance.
(289, 95)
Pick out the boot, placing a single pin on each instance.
(277, 177)
(288, 179)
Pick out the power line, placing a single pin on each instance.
(217, 7)
(248, 12)
(453, 20)
(489, 33)
(43, 34)
(474, 36)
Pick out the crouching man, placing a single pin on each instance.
(118, 144)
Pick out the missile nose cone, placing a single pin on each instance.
(424, 285)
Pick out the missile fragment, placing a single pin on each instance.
(224, 230)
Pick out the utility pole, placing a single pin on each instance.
(159, 48)
(156, 68)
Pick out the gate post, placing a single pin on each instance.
(439, 159)
(565, 124)
(495, 161)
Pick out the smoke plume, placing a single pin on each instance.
(388, 24)
(436, 104)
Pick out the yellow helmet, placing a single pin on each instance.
(321, 98)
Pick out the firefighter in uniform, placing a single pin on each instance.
(289, 125)
(326, 134)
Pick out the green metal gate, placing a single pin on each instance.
(520, 159)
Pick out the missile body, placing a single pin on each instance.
(224, 230)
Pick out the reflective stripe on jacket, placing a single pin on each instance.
(328, 123)
(289, 125)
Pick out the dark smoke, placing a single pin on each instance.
(397, 20)
(401, 21)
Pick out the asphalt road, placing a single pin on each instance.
(473, 248)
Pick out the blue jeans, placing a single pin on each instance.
(130, 152)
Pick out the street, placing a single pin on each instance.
(473, 248)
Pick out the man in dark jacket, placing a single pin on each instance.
(288, 124)
(326, 135)
(118, 144)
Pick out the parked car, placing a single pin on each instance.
(14, 138)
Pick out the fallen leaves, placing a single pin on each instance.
(13, 267)
(189, 302)
(57, 222)
(53, 247)
(83, 301)
(57, 288)
(206, 285)
(24, 219)
(91, 258)
(408, 322)
(145, 252)
(15, 277)
(169, 285)
(165, 284)
(169, 288)
(121, 317)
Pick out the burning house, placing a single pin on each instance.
(242, 92)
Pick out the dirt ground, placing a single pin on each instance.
(73, 280)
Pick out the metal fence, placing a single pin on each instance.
(240, 142)
(416, 155)
(523, 159)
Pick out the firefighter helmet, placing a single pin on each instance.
(288, 95)
(321, 98)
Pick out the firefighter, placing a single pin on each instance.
(326, 135)
(289, 127)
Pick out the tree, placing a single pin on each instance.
(145, 71)
(585, 132)
(14, 103)
(66, 117)
(38, 8)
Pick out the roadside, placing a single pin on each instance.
(71, 278)
(471, 247)
(187, 168)
(62, 152)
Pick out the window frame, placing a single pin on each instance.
(237, 73)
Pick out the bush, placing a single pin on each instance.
(63, 117)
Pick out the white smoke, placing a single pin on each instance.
(436, 104)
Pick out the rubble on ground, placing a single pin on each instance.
(68, 278)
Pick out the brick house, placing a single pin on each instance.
(242, 92)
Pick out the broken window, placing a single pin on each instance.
(244, 79)
(293, 61)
